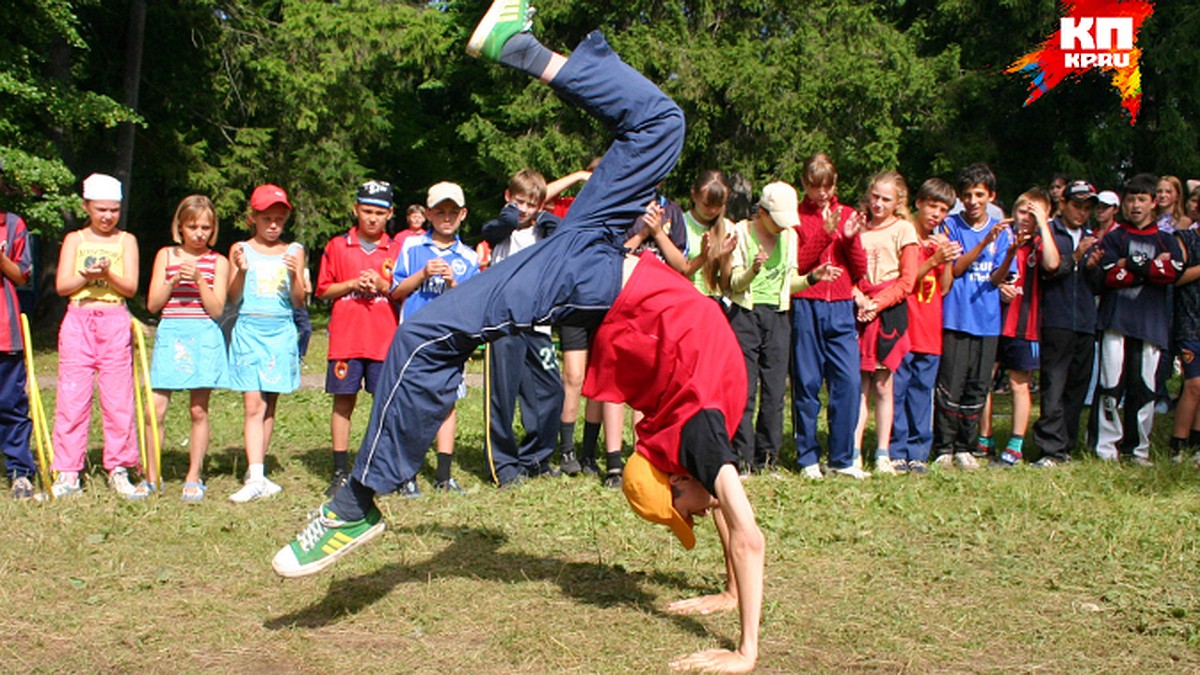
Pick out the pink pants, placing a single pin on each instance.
(94, 341)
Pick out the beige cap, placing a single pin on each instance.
(780, 200)
(440, 192)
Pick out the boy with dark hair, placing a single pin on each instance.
(1068, 333)
(16, 262)
(912, 392)
(521, 366)
(661, 346)
(355, 276)
(971, 319)
(1140, 263)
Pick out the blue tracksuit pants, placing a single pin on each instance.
(522, 367)
(15, 426)
(825, 350)
(912, 420)
(570, 278)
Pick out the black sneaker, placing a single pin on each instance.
(613, 479)
(570, 464)
(450, 485)
(409, 489)
(514, 482)
(339, 479)
(588, 467)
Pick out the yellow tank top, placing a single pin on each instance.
(87, 255)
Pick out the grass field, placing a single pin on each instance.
(1090, 568)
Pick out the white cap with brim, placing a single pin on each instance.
(781, 201)
(1109, 198)
(102, 187)
(440, 192)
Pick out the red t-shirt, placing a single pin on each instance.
(360, 325)
(668, 352)
(925, 307)
(1021, 314)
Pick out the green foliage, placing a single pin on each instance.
(47, 108)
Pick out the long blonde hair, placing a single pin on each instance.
(1178, 211)
(901, 187)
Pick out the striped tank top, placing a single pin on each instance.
(184, 302)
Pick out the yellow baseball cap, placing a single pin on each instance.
(649, 493)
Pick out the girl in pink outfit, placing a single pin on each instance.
(891, 243)
(98, 270)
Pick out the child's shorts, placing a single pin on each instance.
(1188, 352)
(352, 375)
(264, 355)
(189, 354)
(572, 338)
(1018, 354)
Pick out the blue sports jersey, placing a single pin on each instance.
(420, 250)
(973, 304)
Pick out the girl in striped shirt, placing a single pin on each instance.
(188, 285)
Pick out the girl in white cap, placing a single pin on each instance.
(98, 271)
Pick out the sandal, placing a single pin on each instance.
(141, 491)
(193, 492)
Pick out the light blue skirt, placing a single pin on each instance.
(264, 355)
(189, 354)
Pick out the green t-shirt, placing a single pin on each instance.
(767, 285)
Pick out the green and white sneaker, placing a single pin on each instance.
(504, 19)
(324, 540)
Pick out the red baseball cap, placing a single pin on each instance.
(267, 195)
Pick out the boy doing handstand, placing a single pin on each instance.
(646, 313)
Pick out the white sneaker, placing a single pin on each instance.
(944, 461)
(255, 489)
(883, 465)
(965, 461)
(66, 485)
(118, 480)
(852, 471)
(812, 472)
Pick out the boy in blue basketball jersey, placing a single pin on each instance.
(970, 318)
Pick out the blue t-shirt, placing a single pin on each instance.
(973, 304)
(420, 250)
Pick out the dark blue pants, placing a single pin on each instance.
(825, 350)
(569, 278)
(522, 367)
(912, 418)
(15, 425)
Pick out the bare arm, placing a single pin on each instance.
(745, 550)
(160, 286)
(237, 272)
(556, 187)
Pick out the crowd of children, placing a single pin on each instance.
(931, 306)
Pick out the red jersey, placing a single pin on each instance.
(360, 324)
(14, 236)
(668, 352)
(925, 306)
(818, 246)
(1021, 314)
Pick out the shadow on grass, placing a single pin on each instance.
(475, 554)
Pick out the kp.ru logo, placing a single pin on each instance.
(1092, 34)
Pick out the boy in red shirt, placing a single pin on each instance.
(355, 275)
(912, 391)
